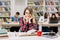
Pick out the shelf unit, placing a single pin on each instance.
(40, 7)
(5, 9)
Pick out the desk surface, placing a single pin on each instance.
(29, 38)
(17, 24)
(49, 24)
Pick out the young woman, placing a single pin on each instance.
(54, 19)
(46, 20)
(28, 22)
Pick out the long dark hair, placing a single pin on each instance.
(45, 15)
(52, 17)
(30, 10)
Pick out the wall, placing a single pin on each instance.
(12, 7)
(18, 5)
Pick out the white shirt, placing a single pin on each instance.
(41, 19)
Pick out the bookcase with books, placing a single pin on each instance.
(5, 9)
(5, 12)
(40, 7)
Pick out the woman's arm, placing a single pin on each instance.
(33, 24)
(22, 22)
(32, 19)
(22, 25)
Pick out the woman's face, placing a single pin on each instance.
(27, 13)
(57, 15)
(53, 16)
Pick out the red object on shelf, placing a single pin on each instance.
(39, 33)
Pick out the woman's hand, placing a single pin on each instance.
(25, 19)
(33, 19)
(30, 19)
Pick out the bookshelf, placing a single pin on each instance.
(5, 9)
(40, 7)
(37, 6)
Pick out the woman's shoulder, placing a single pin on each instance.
(21, 18)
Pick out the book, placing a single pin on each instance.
(6, 9)
(56, 3)
(57, 8)
(0, 3)
(41, 3)
(3, 9)
(52, 2)
(36, 3)
(0, 9)
(31, 31)
(41, 13)
(7, 14)
(51, 9)
(0, 14)
(5, 3)
(47, 3)
(3, 31)
(38, 14)
(3, 15)
(30, 3)
(9, 8)
(41, 8)
(36, 9)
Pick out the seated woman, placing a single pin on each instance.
(54, 19)
(46, 20)
(28, 22)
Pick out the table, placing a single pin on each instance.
(29, 38)
(49, 24)
(17, 24)
(34, 37)
(10, 24)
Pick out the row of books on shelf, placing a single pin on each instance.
(38, 14)
(47, 9)
(52, 9)
(4, 3)
(37, 9)
(42, 3)
(4, 14)
(5, 8)
(52, 2)
(36, 3)
(5, 19)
